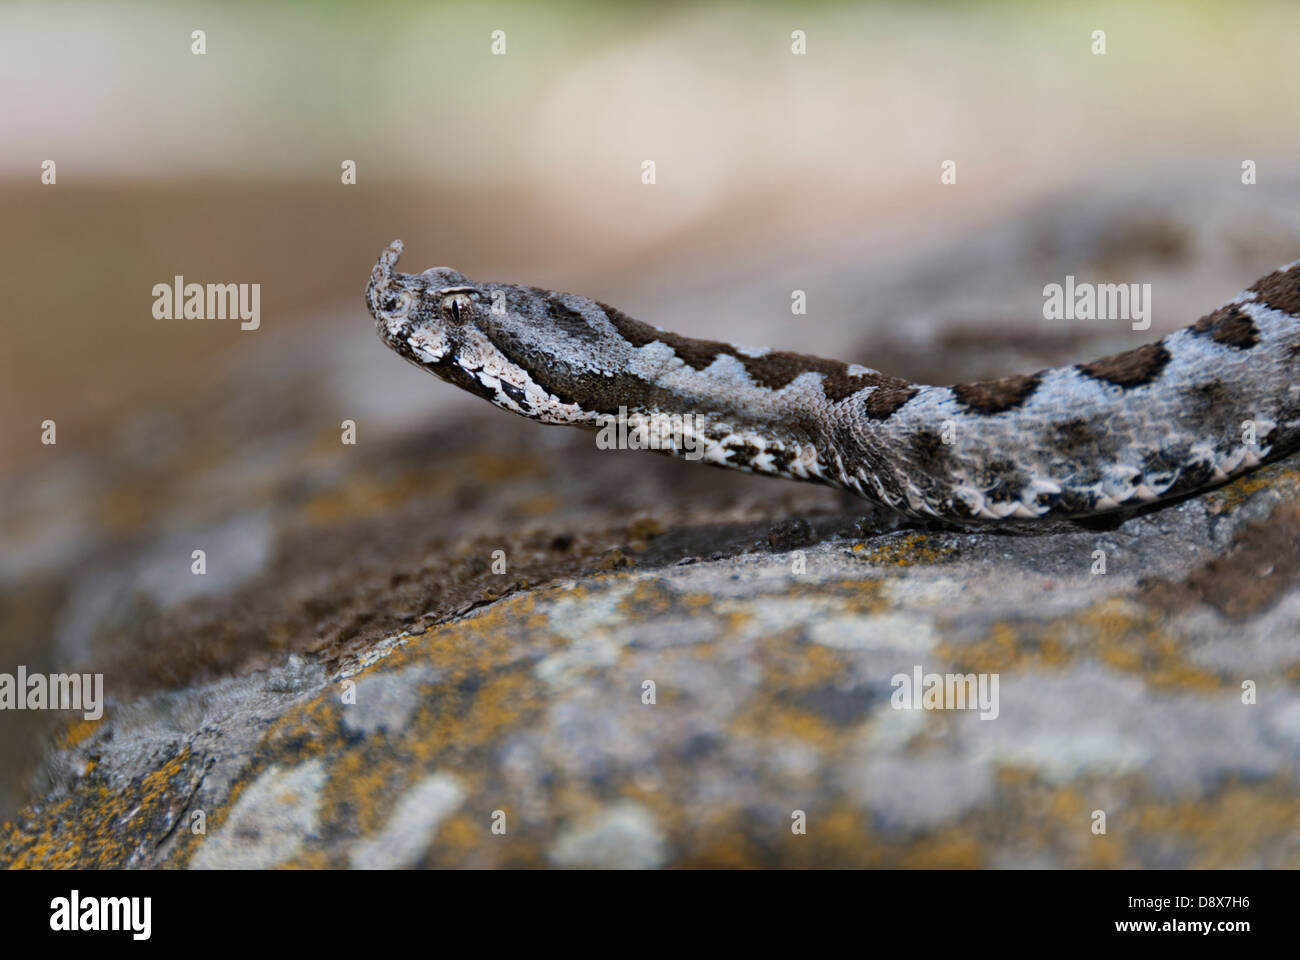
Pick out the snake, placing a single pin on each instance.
(1160, 421)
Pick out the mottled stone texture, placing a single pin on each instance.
(1119, 692)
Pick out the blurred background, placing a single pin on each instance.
(774, 172)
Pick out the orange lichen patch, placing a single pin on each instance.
(478, 697)
(309, 860)
(1284, 479)
(1104, 851)
(363, 786)
(781, 721)
(1130, 639)
(462, 833)
(304, 731)
(908, 550)
(1230, 828)
(697, 602)
(862, 596)
(1068, 805)
(483, 642)
(836, 836)
(1176, 674)
(1052, 648)
(951, 848)
(99, 828)
(301, 733)
(466, 840)
(1120, 633)
(1114, 631)
(1000, 650)
(652, 598)
(794, 668)
(723, 847)
(454, 720)
(76, 731)
(1055, 822)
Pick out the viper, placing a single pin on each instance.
(1166, 419)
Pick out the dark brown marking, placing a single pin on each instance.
(775, 369)
(570, 320)
(1229, 326)
(888, 396)
(697, 354)
(630, 329)
(781, 458)
(1132, 368)
(742, 453)
(1281, 290)
(779, 368)
(1216, 411)
(838, 385)
(1074, 437)
(929, 452)
(1003, 481)
(1205, 398)
(997, 396)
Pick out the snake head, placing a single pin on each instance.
(461, 332)
(408, 308)
(553, 357)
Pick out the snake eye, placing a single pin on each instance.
(396, 306)
(457, 306)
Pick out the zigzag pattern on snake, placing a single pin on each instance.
(1189, 411)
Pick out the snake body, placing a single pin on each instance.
(1205, 403)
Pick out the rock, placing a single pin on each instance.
(667, 715)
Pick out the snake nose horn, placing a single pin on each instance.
(382, 273)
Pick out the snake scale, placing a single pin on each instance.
(1162, 420)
